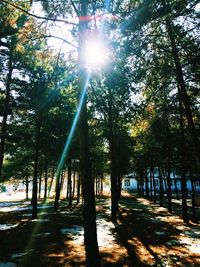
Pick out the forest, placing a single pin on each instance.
(93, 95)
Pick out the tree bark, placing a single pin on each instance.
(51, 183)
(78, 187)
(69, 181)
(175, 184)
(146, 183)
(182, 90)
(58, 187)
(45, 180)
(27, 186)
(192, 178)
(74, 181)
(6, 111)
(169, 191)
(35, 174)
(161, 186)
(113, 169)
(183, 164)
(154, 185)
(89, 210)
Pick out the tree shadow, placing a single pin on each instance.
(147, 236)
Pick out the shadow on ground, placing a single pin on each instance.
(145, 235)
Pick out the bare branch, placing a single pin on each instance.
(60, 38)
(75, 8)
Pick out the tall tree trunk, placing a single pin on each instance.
(161, 186)
(40, 184)
(175, 184)
(6, 111)
(96, 185)
(151, 186)
(165, 182)
(119, 178)
(101, 184)
(57, 191)
(182, 89)
(113, 169)
(169, 190)
(74, 182)
(154, 185)
(59, 182)
(27, 186)
(69, 181)
(192, 178)
(146, 183)
(35, 172)
(78, 187)
(51, 183)
(183, 164)
(89, 210)
(45, 180)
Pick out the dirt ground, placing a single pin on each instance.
(145, 235)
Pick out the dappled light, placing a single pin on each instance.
(99, 133)
(133, 239)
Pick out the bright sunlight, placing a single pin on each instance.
(96, 54)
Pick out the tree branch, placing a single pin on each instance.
(75, 8)
(39, 17)
(60, 38)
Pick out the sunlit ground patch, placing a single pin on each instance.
(192, 244)
(7, 264)
(19, 207)
(7, 227)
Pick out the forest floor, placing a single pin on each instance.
(145, 235)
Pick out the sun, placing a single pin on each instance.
(96, 54)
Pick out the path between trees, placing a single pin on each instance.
(145, 235)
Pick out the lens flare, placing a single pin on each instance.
(96, 54)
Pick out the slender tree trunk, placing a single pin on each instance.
(182, 89)
(119, 187)
(165, 182)
(146, 183)
(27, 186)
(45, 180)
(101, 184)
(78, 187)
(142, 182)
(40, 184)
(35, 174)
(59, 181)
(69, 187)
(51, 183)
(96, 185)
(58, 187)
(6, 111)
(89, 210)
(151, 187)
(175, 184)
(161, 186)
(74, 182)
(154, 185)
(193, 195)
(113, 169)
(183, 164)
(169, 190)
